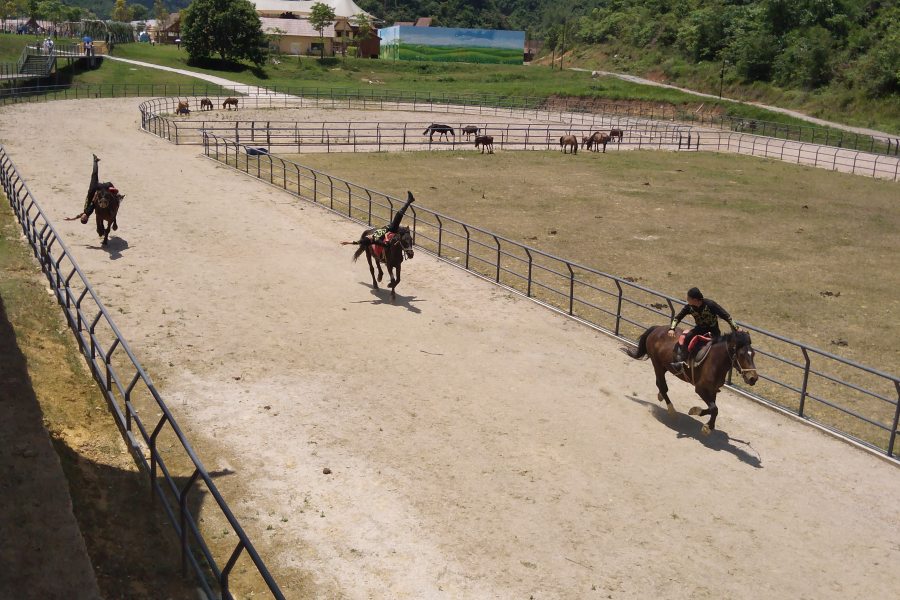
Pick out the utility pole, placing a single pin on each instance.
(722, 77)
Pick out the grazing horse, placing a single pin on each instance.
(106, 207)
(598, 139)
(443, 130)
(569, 141)
(485, 141)
(229, 102)
(206, 104)
(183, 109)
(470, 130)
(615, 133)
(732, 350)
(398, 245)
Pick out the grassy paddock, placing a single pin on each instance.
(768, 240)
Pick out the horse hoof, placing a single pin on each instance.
(660, 397)
(380, 276)
(695, 410)
(672, 412)
(705, 430)
(115, 227)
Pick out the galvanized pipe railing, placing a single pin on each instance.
(852, 400)
(100, 341)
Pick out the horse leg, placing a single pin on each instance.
(663, 388)
(395, 282)
(711, 409)
(372, 269)
(100, 229)
(106, 235)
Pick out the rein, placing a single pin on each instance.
(735, 363)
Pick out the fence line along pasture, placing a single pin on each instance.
(474, 102)
(854, 401)
(157, 117)
(132, 398)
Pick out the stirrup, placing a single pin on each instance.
(678, 367)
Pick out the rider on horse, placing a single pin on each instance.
(706, 315)
(378, 235)
(93, 189)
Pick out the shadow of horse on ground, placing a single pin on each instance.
(383, 296)
(687, 427)
(114, 248)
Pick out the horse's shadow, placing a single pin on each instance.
(114, 248)
(383, 296)
(689, 427)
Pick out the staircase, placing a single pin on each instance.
(36, 66)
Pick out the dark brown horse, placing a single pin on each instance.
(470, 130)
(732, 350)
(392, 254)
(206, 104)
(442, 130)
(485, 141)
(106, 208)
(229, 102)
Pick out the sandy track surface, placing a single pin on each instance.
(481, 446)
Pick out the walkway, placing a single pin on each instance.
(241, 88)
(784, 111)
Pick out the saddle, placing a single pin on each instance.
(698, 349)
(377, 249)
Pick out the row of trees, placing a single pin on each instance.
(793, 43)
(232, 30)
(56, 11)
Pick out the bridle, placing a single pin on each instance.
(735, 363)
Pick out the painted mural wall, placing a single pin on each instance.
(449, 44)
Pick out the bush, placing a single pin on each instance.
(806, 59)
(754, 56)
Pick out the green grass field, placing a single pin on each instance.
(441, 77)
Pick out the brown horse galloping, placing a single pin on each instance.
(732, 350)
(392, 254)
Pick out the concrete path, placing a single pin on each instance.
(785, 111)
(241, 88)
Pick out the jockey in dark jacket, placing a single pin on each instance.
(94, 187)
(706, 315)
(378, 235)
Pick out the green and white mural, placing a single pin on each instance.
(449, 44)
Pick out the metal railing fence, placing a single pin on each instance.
(368, 97)
(852, 400)
(46, 93)
(340, 136)
(131, 396)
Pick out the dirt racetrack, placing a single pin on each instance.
(481, 446)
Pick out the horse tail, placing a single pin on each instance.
(360, 250)
(639, 353)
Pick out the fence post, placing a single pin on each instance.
(619, 306)
(805, 382)
(440, 232)
(468, 239)
(571, 288)
(896, 419)
(498, 257)
(182, 503)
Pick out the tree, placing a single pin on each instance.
(364, 30)
(121, 13)
(52, 10)
(320, 17)
(160, 13)
(139, 12)
(33, 8)
(229, 28)
(274, 35)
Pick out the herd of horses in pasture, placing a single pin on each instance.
(206, 104)
(568, 143)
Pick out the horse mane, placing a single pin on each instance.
(740, 338)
